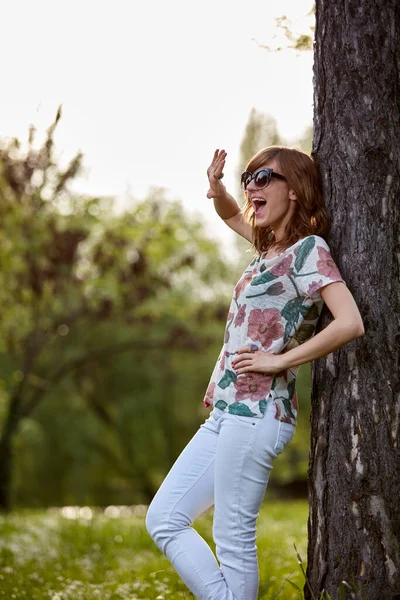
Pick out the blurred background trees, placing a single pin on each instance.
(111, 324)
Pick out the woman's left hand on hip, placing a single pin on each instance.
(258, 361)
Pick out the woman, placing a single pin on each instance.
(275, 306)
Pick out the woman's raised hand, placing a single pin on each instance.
(217, 188)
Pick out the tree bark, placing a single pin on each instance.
(8, 432)
(354, 473)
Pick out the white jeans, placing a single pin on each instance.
(226, 464)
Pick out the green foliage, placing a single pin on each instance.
(111, 327)
(302, 42)
(64, 266)
(298, 42)
(80, 286)
(260, 131)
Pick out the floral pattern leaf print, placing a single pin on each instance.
(304, 252)
(227, 379)
(288, 407)
(276, 289)
(265, 326)
(291, 388)
(208, 398)
(282, 267)
(242, 283)
(291, 312)
(221, 404)
(253, 386)
(266, 277)
(326, 265)
(240, 316)
(229, 323)
(241, 410)
(276, 304)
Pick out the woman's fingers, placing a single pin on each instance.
(242, 364)
(217, 188)
(242, 358)
(219, 167)
(249, 348)
(220, 162)
(217, 162)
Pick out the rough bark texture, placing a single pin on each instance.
(354, 477)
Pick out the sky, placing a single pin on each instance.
(150, 89)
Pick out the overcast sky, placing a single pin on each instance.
(150, 89)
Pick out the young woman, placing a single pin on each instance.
(269, 333)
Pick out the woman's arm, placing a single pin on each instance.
(346, 326)
(237, 222)
(225, 204)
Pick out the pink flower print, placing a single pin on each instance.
(282, 267)
(240, 317)
(222, 361)
(286, 419)
(295, 402)
(313, 287)
(253, 386)
(277, 411)
(228, 324)
(326, 265)
(242, 283)
(208, 398)
(265, 326)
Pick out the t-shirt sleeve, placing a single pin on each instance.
(314, 267)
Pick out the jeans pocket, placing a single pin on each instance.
(245, 420)
(285, 434)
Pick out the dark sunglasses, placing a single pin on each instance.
(261, 179)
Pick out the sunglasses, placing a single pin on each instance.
(261, 179)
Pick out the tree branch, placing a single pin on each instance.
(76, 363)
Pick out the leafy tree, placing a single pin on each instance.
(260, 131)
(71, 267)
(294, 42)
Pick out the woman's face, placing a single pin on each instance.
(275, 204)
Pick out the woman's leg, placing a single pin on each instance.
(186, 492)
(246, 450)
(227, 462)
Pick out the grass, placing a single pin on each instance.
(93, 554)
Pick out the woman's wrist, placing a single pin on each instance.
(226, 206)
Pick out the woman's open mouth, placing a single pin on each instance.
(258, 205)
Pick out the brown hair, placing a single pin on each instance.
(302, 176)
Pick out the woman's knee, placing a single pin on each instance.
(162, 526)
(154, 521)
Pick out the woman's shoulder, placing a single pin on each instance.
(315, 240)
(311, 249)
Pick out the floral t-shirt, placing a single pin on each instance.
(276, 304)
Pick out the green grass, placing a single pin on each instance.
(64, 554)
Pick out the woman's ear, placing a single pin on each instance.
(292, 195)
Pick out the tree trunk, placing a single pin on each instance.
(354, 476)
(5, 472)
(10, 427)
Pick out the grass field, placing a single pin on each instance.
(91, 554)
